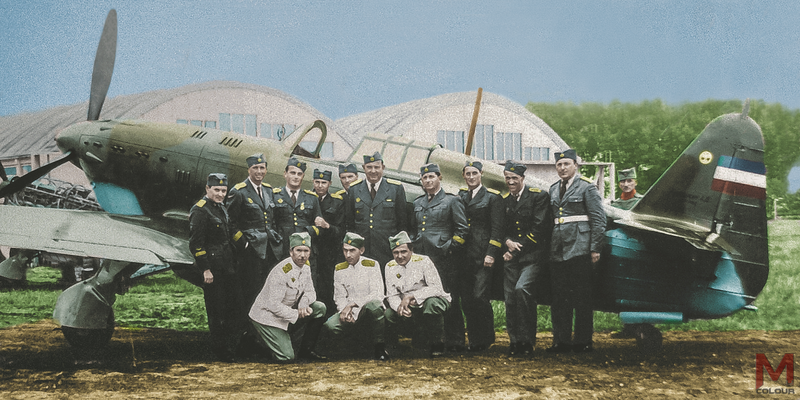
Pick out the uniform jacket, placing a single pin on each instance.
(528, 222)
(210, 237)
(298, 217)
(332, 210)
(376, 220)
(485, 214)
(441, 225)
(572, 239)
(357, 284)
(626, 204)
(418, 278)
(288, 288)
(252, 218)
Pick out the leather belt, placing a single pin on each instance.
(572, 218)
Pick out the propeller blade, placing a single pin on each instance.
(103, 66)
(3, 175)
(20, 182)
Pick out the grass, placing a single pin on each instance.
(166, 301)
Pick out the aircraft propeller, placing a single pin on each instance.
(103, 66)
(3, 175)
(20, 182)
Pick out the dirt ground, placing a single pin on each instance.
(37, 363)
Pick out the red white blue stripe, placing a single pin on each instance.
(740, 177)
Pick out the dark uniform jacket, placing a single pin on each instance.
(528, 222)
(299, 217)
(580, 220)
(252, 218)
(626, 204)
(210, 237)
(377, 220)
(485, 214)
(441, 225)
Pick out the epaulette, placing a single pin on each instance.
(356, 182)
(392, 263)
(336, 196)
(490, 190)
(266, 184)
(394, 182)
(308, 262)
(276, 190)
(239, 185)
(417, 257)
(463, 189)
(535, 190)
(341, 192)
(200, 202)
(586, 179)
(368, 263)
(287, 268)
(506, 195)
(342, 265)
(311, 192)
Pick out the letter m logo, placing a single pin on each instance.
(786, 363)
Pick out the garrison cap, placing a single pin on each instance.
(373, 158)
(256, 159)
(400, 238)
(353, 239)
(326, 175)
(429, 168)
(629, 173)
(474, 164)
(299, 239)
(217, 179)
(516, 168)
(568, 153)
(343, 168)
(293, 162)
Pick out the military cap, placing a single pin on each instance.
(516, 168)
(343, 168)
(429, 168)
(217, 179)
(568, 153)
(474, 164)
(373, 158)
(293, 162)
(326, 175)
(299, 239)
(353, 239)
(629, 173)
(400, 238)
(256, 159)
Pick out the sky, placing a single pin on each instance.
(349, 57)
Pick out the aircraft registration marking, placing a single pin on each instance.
(740, 177)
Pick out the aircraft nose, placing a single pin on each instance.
(69, 138)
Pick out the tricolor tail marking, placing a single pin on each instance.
(739, 177)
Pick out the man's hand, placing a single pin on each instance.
(346, 315)
(488, 261)
(321, 223)
(303, 312)
(403, 309)
(208, 277)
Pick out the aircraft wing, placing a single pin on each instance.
(91, 234)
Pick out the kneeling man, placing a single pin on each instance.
(414, 291)
(288, 297)
(358, 294)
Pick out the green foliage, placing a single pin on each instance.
(162, 301)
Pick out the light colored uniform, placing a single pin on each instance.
(360, 284)
(418, 278)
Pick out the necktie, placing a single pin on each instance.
(294, 197)
(469, 196)
(372, 191)
(259, 194)
(563, 189)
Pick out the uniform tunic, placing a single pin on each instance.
(579, 227)
(626, 204)
(360, 284)
(329, 247)
(527, 222)
(210, 243)
(297, 217)
(376, 219)
(485, 214)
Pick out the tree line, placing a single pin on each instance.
(650, 135)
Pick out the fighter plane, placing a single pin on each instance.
(694, 247)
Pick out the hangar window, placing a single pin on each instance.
(483, 142)
(537, 153)
(240, 123)
(508, 146)
(197, 122)
(451, 140)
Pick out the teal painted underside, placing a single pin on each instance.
(116, 200)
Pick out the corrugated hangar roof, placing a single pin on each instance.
(34, 133)
(397, 119)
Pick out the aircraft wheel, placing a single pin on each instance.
(648, 338)
(89, 338)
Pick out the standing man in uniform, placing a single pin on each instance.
(348, 173)
(414, 291)
(578, 236)
(441, 229)
(288, 298)
(484, 209)
(376, 209)
(527, 230)
(297, 210)
(627, 183)
(358, 291)
(329, 248)
(213, 253)
(250, 207)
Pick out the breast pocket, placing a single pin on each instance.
(388, 210)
